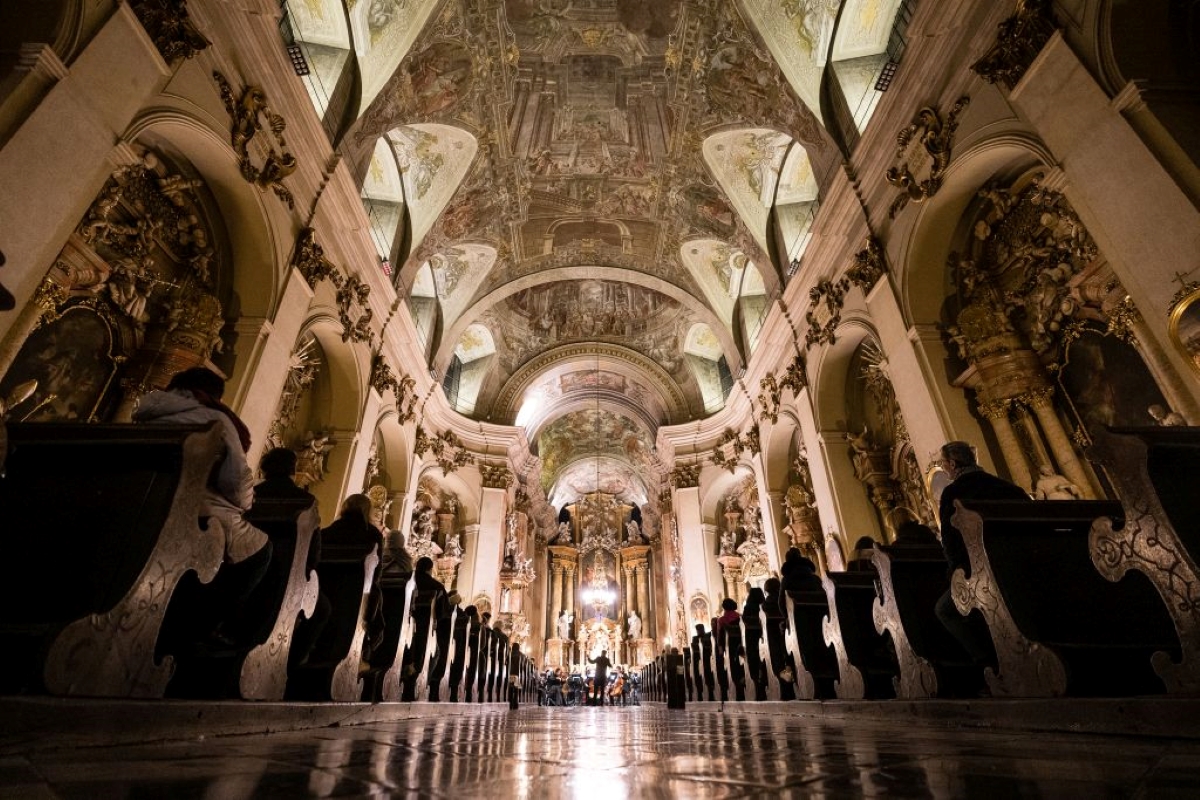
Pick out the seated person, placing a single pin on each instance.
(729, 617)
(194, 396)
(278, 468)
(802, 576)
(862, 555)
(353, 536)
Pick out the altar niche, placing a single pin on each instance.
(599, 592)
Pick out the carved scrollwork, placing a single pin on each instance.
(806, 685)
(352, 295)
(1149, 543)
(769, 398)
(168, 24)
(251, 115)
(264, 672)
(825, 311)
(1021, 37)
(850, 684)
(447, 449)
(346, 685)
(869, 265)
(922, 154)
(685, 476)
(310, 259)
(496, 476)
(917, 677)
(729, 448)
(111, 654)
(1027, 669)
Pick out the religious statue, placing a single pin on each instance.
(633, 532)
(861, 446)
(564, 626)
(728, 540)
(310, 459)
(562, 534)
(835, 561)
(635, 626)
(1165, 417)
(454, 546)
(1052, 486)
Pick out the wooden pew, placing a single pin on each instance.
(439, 670)
(816, 662)
(419, 649)
(1153, 470)
(932, 663)
(474, 651)
(1058, 627)
(458, 662)
(287, 591)
(382, 680)
(332, 673)
(756, 667)
(115, 510)
(780, 662)
(256, 666)
(866, 663)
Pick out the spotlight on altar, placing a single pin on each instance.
(600, 597)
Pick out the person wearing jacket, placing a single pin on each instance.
(194, 397)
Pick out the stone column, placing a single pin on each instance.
(996, 413)
(486, 557)
(1060, 443)
(643, 592)
(556, 580)
(571, 589)
(628, 591)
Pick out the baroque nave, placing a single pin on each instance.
(613, 310)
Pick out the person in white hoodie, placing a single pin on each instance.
(194, 396)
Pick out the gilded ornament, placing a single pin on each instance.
(1021, 37)
(251, 115)
(685, 476)
(310, 260)
(825, 311)
(447, 449)
(923, 154)
(168, 24)
(496, 476)
(869, 265)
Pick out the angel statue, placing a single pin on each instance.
(564, 626)
(310, 461)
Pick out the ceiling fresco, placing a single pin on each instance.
(587, 176)
(589, 434)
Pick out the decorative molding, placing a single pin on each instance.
(168, 24)
(447, 449)
(1021, 37)
(383, 380)
(869, 265)
(352, 295)
(248, 114)
(685, 476)
(495, 476)
(728, 450)
(771, 396)
(310, 260)
(825, 311)
(922, 154)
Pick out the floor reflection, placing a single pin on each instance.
(645, 752)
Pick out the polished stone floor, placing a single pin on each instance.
(612, 753)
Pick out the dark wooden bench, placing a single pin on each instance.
(816, 662)
(381, 681)
(932, 663)
(1058, 627)
(346, 575)
(756, 666)
(731, 665)
(106, 518)
(458, 662)
(257, 669)
(780, 662)
(703, 673)
(1154, 471)
(866, 660)
(439, 669)
(421, 641)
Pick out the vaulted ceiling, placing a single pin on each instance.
(591, 203)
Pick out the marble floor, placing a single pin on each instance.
(612, 753)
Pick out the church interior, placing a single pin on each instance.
(637, 331)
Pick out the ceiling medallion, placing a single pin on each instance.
(922, 154)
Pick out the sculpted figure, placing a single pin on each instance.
(1052, 486)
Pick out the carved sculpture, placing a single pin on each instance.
(168, 24)
(918, 171)
(1021, 37)
(917, 677)
(251, 115)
